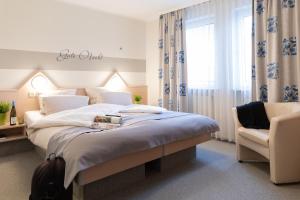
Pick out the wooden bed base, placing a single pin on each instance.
(101, 188)
(116, 174)
(113, 175)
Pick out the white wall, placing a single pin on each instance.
(51, 26)
(152, 61)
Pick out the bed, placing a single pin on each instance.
(97, 160)
(152, 149)
(145, 137)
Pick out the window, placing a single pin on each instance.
(201, 55)
(242, 48)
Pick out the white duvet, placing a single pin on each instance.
(42, 128)
(84, 116)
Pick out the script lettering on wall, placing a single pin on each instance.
(67, 54)
(70, 61)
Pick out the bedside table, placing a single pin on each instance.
(13, 139)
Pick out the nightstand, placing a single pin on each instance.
(13, 139)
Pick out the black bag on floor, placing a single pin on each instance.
(48, 181)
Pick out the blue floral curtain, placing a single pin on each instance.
(172, 69)
(276, 59)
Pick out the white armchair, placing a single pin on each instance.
(280, 145)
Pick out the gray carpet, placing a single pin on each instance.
(215, 175)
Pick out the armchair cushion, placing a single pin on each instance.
(253, 115)
(260, 136)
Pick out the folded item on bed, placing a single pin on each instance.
(104, 126)
(143, 109)
(108, 119)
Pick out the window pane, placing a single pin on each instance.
(200, 46)
(243, 58)
(200, 56)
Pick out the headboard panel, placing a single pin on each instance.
(8, 95)
(26, 103)
(23, 102)
(136, 90)
(141, 91)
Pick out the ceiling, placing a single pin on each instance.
(145, 10)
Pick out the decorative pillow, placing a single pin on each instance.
(57, 103)
(120, 98)
(95, 94)
(253, 115)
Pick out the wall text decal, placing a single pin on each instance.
(67, 54)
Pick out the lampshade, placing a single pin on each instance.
(40, 83)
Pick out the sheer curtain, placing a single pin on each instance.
(218, 45)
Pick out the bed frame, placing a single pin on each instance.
(114, 175)
(102, 179)
(132, 160)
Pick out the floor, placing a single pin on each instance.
(215, 175)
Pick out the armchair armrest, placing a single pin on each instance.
(284, 144)
(285, 126)
(235, 118)
(237, 123)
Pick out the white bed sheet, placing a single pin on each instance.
(32, 116)
(40, 137)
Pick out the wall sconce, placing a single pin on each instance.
(39, 84)
(116, 83)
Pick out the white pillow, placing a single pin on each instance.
(54, 92)
(95, 94)
(120, 98)
(57, 103)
